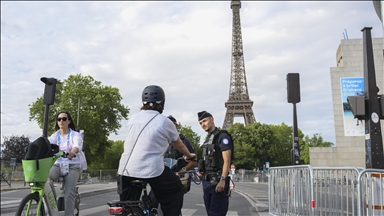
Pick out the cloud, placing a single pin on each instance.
(185, 47)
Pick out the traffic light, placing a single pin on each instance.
(50, 90)
(293, 87)
(357, 106)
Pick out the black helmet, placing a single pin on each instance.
(172, 118)
(153, 94)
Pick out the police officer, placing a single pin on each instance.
(173, 153)
(214, 166)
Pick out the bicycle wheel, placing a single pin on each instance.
(28, 206)
(136, 211)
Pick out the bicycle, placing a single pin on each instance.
(42, 194)
(133, 208)
(142, 207)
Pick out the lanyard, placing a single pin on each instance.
(68, 136)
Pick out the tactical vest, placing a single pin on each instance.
(172, 152)
(212, 155)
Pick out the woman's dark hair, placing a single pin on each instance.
(153, 106)
(71, 125)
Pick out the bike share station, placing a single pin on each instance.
(40, 157)
(306, 190)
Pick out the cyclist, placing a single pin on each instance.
(71, 142)
(175, 154)
(148, 136)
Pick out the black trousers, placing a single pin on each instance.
(167, 188)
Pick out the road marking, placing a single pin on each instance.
(101, 209)
(188, 212)
(92, 211)
(9, 202)
(246, 197)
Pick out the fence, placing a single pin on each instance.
(304, 190)
(290, 190)
(11, 174)
(371, 192)
(249, 176)
(109, 175)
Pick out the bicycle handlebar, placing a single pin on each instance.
(66, 155)
(193, 159)
(61, 154)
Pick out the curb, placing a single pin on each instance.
(17, 188)
(9, 188)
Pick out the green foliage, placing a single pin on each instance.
(99, 115)
(244, 151)
(14, 147)
(315, 141)
(111, 156)
(193, 138)
(260, 143)
(282, 144)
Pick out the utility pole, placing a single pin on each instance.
(293, 96)
(370, 107)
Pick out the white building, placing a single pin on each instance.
(350, 142)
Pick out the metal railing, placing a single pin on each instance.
(304, 190)
(371, 192)
(335, 190)
(290, 191)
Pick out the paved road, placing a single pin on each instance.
(256, 194)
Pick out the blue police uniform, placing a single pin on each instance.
(216, 204)
(172, 152)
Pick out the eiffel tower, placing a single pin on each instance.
(238, 103)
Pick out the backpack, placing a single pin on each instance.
(41, 148)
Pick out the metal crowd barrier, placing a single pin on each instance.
(335, 190)
(304, 190)
(290, 190)
(371, 192)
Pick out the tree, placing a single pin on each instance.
(14, 147)
(315, 141)
(260, 143)
(111, 157)
(100, 111)
(283, 144)
(244, 150)
(193, 138)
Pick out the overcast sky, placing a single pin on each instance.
(185, 47)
